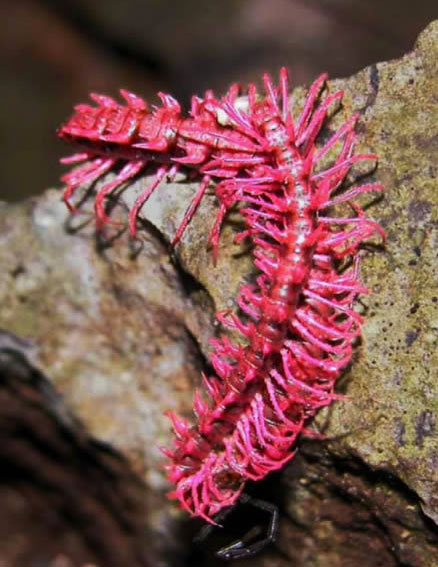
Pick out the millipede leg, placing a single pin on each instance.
(191, 209)
(129, 171)
(142, 198)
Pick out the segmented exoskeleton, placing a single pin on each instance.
(298, 319)
(132, 137)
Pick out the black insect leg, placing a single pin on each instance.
(249, 544)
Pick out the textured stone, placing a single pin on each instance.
(114, 332)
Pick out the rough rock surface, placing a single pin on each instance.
(119, 333)
(114, 331)
(65, 496)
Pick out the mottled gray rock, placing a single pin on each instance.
(116, 333)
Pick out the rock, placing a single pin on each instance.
(114, 333)
(56, 480)
(119, 335)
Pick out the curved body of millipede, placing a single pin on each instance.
(298, 322)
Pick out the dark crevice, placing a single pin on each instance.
(353, 482)
(190, 285)
(81, 489)
(374, 477)
(202, 361)
(374, 82)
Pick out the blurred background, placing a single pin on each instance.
(54, 52)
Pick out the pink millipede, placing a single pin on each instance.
(298, 319)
